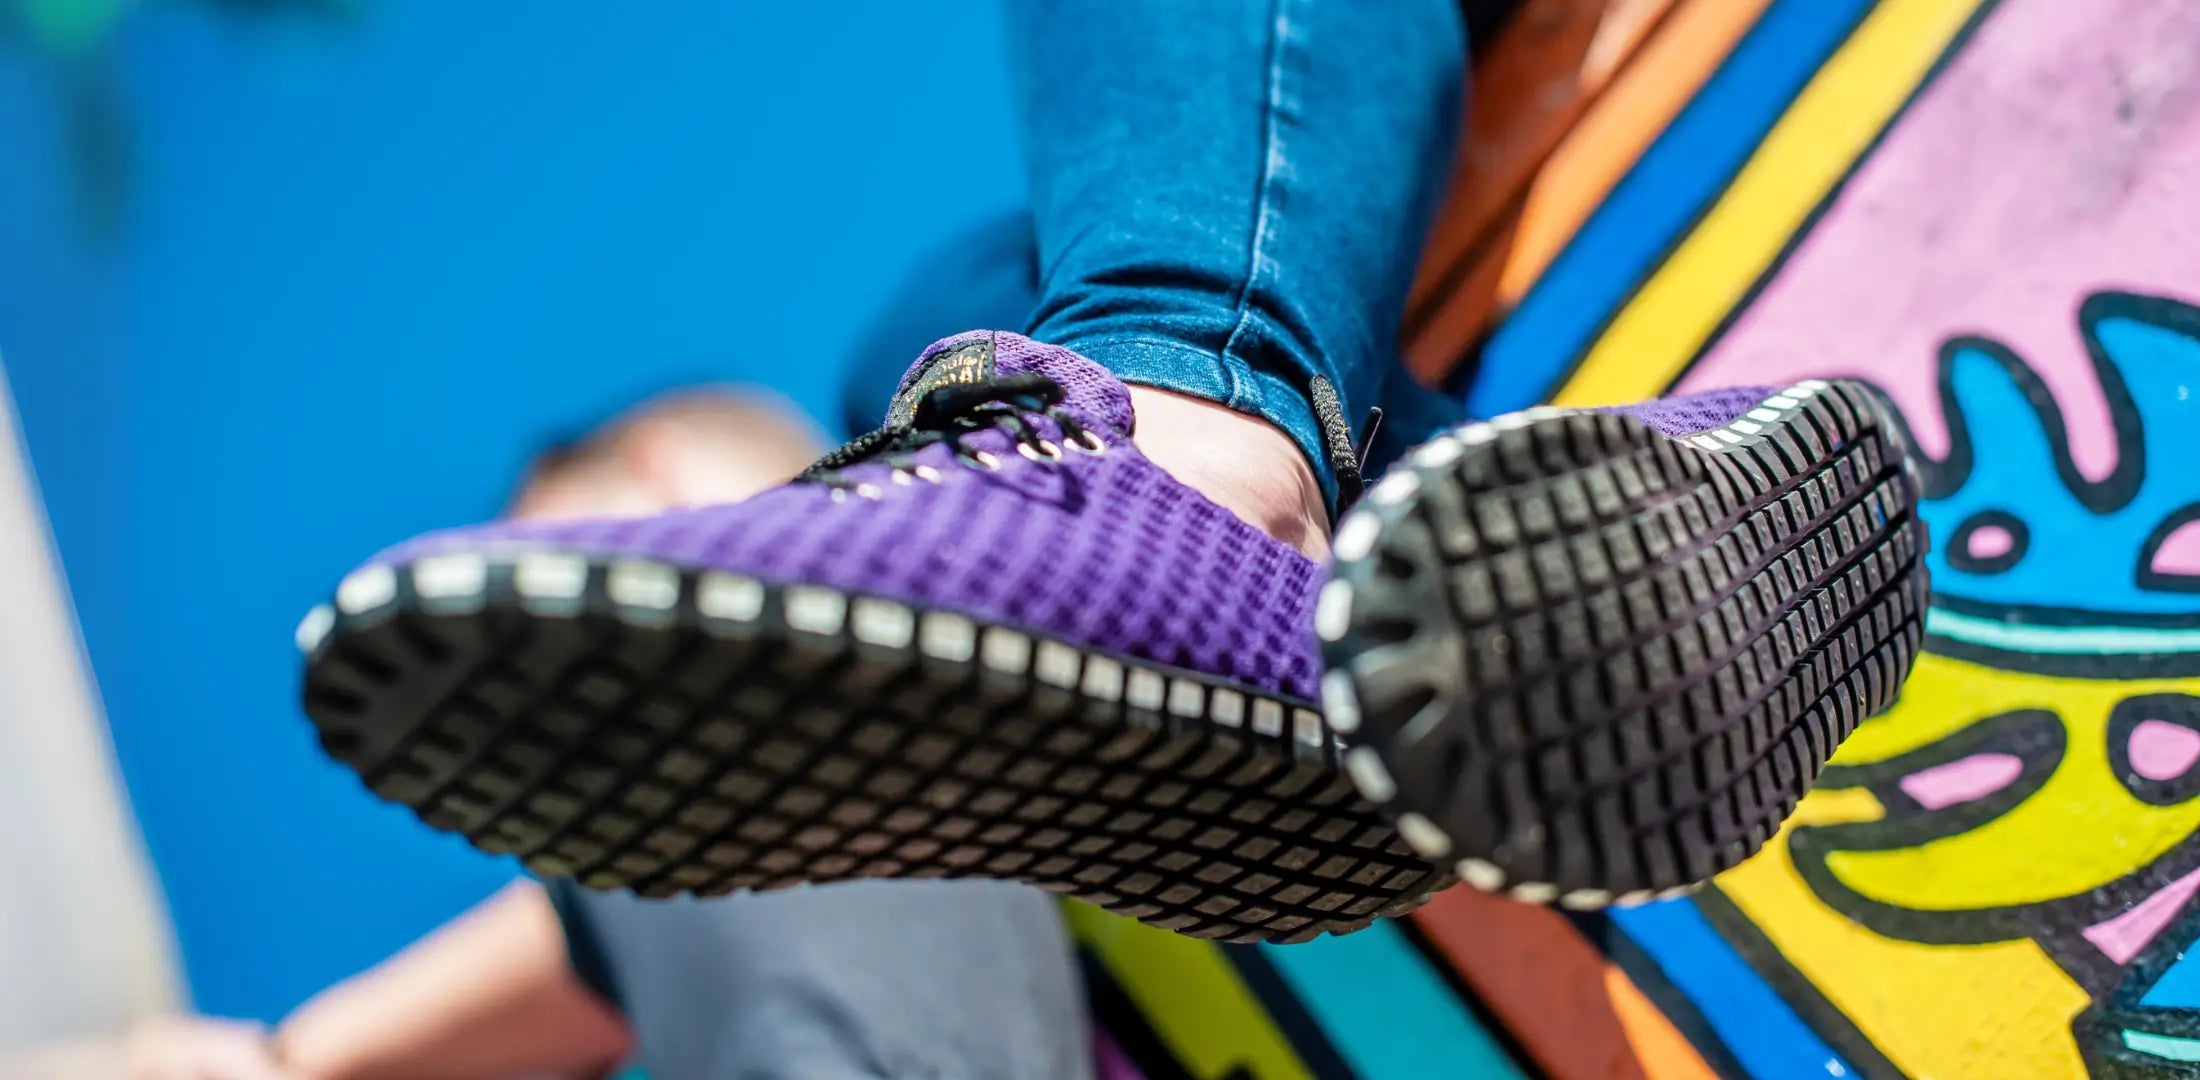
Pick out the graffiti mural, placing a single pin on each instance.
(1988, 209)
(2032, 796)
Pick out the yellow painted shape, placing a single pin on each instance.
(2080, 831)
(1660, 1049)
(1994, 1012)
(1844, 107)
(1939, 699)
(1835, 806)
(1191, 995)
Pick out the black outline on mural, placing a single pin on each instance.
(1955, 47)
(2146, 577)
(2182, 710)
(1455, 980)
(2097, 666)
(2098, 1029)
(1958, 544)
(1649, 977)
(2035, 737)
(2107, 495)
(1819, 1013)
(1471, 358)
(2121, 485)
(1285, 1010)
(1115, 1012)
(2055, 925)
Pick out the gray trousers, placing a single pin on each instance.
(862, 979)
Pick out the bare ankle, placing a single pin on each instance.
(1244, 463)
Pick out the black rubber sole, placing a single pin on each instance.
(1585, 662)
(643, 726)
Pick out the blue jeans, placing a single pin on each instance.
(1228, 200)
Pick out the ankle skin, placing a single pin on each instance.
(1245, 464)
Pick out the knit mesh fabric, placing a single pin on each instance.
(1687, 414)
(1107, 551)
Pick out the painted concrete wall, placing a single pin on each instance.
(1991, 210)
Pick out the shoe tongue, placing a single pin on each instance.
(1088, 389)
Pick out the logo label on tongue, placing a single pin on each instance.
(960, 366)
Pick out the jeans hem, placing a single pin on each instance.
(1188, 369)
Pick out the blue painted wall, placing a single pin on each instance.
(368, 262)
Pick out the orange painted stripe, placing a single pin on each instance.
(1544, 982)
(1589, 161)
(1664, 1052)
(1613, 136)
(1454, 326)
(1549, 62)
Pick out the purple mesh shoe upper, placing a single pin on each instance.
(1688, 414)
(1103, 550)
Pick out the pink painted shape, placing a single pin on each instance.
(2122, 937)
(1962, 780)
(1990, 541)
(1109, 1062)
(2180, 551)
(2161, 750)
(2055, 157)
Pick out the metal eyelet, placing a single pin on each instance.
(979, 460)
(1088, 443)
(901, 476)
(870, 491)
(926, 473)
(1044, 452)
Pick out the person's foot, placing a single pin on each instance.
(1593, 656)
(992, 639)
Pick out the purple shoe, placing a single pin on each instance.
(991, 639)
(1594, 656)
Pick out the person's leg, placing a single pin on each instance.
(1230, 197)
(1048, 627)
(988, 275)
(857, 979)
(1041, 625)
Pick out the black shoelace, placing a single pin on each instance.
(1005, 403)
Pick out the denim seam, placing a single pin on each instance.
(1271, 167)
(1142, 339)
(1272, 396)
(1242, 394)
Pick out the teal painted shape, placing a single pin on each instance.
(2163, 1046)
(1385, 1010)
(2063, 640)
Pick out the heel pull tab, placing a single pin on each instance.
(1367, 441)
(1348, 462)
